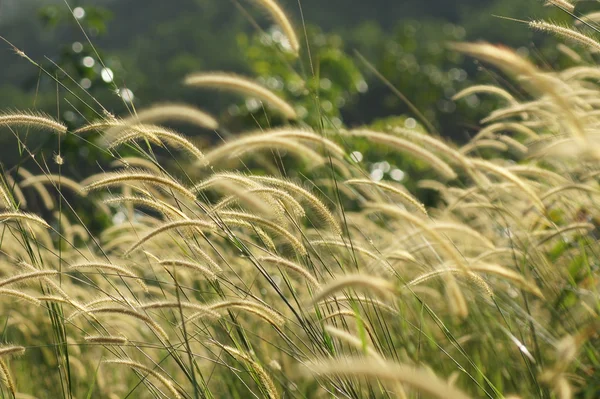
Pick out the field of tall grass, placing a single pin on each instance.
(274, 265)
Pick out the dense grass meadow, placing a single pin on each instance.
(275, 262)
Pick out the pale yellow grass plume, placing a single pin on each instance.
(289, 265)
(436, 144)
(136, 162)
(593, 17)
(128, 312)
(120, 270)
(354, 341)
(105, 339)
(480, 282)
(538, 172)
(464, 232)
(27, 276)
(500, 92)
(419, 379)
(263, 376)
(457, 300)
(20, 295)
(207, 272)
(567, 349)
(32, 120)
(179, 141)
(11, 350)
(571, 34)
(477, 145)
(304, 194)
(243, 85)
(520, 128)
(189, 223)
(41, 190)
(20, 199)
(139, 177)
(58, 181)
(177, 112)
(408, 148)
(232, 216)
(564, 4)
(263, 311)
(513, 64)
(150, 371)
(580, 228)
(364, 282)
(239, 189)
(405, 197)
(426, 227)
(282, 199)
(156, 134)
(569, 52)
(202, 309)
(6, 377)
(251, 143)
(149, 202)
(5, 199)
(513, 144)
(511, 275)
(23, 217)
(282, 20)
(507, 175)
(354, 248)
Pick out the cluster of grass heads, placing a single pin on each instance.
(228, 274)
